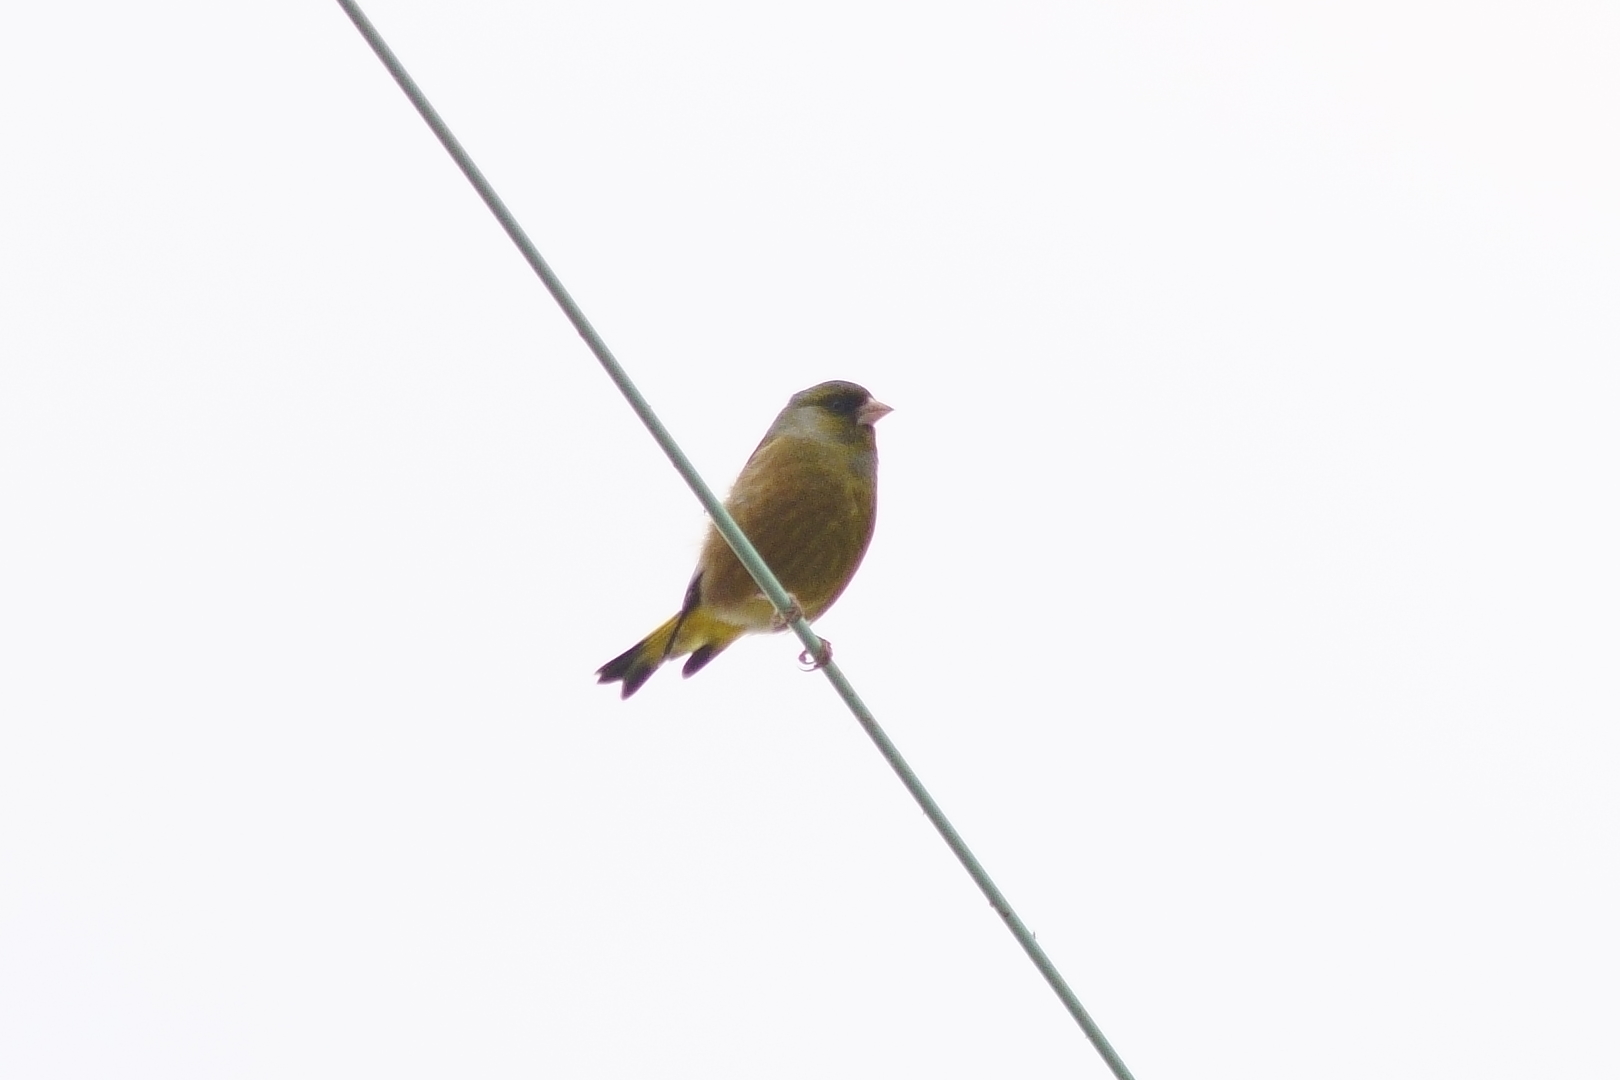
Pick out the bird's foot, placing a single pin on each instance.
(781, 620)
(810, 662)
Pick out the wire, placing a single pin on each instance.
(750, 558)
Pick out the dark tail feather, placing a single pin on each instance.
(701, 656)
(636, 664)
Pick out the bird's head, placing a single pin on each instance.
(844, 407)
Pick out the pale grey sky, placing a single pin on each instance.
(1244, 583)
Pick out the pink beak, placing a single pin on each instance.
(872, 412)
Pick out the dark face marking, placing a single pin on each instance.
(842, 399)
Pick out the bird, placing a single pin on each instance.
(807, 500)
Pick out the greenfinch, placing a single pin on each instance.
(807, 499)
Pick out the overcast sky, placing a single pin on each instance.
(1245, 579)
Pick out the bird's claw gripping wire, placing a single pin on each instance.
(809, 662)
(783, 620)
(810, 659)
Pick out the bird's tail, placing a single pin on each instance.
(636, 664)
(694, 631)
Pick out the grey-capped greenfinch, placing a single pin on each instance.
(807, 499)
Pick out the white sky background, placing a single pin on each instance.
(1245, 582)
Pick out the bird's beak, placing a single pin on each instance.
(872, 412)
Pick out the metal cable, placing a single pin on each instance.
(750, 558)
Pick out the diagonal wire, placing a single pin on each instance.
(734, 536)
